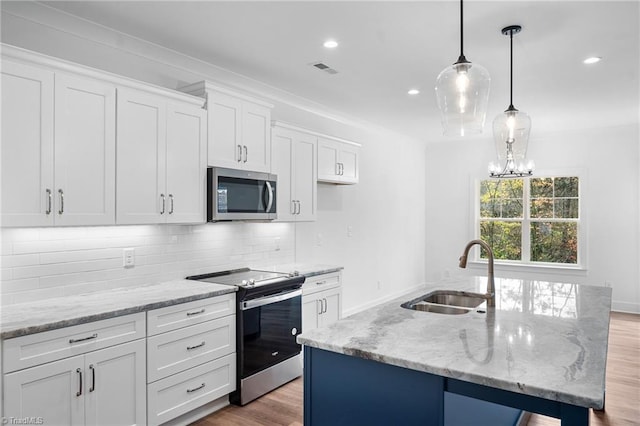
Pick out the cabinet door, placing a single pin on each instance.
(27, 146)
(310, 312)
(304, 176)
(50, 391)
(224, 122)
(141, 181)
(327, 160)
(85, 149)
(256, 137)
(332, 311)
(281, 164)
(349, 163)
(186, 163)
(115, 385)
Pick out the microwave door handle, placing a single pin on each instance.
(270, 202)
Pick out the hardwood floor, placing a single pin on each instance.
(283, 407)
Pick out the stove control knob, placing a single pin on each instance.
(294, 331)
(245, 282)
(252, 283)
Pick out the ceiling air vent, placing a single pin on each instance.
(324, 67)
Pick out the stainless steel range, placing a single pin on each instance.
(269, 317)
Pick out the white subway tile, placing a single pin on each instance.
(23, 247)
(12, 286)
(35, 295)
(79, 255)
(19, 260)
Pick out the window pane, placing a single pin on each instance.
(541, 187)
(566, 187)
(501, 198)
(504, 238)
(554, 242)
(542, 208)
(566, 208)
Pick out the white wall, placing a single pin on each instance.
(609, 156)
(387, 243)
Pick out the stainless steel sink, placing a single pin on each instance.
(447, 302)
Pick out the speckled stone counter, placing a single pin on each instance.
(547, 340)
(306, 269)
(35, 317)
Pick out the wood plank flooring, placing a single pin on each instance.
(283, 407)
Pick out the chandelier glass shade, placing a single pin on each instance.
(462, 91)
(511, 133)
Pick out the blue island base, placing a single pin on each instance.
(347, 390)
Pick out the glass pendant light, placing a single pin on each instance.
(462, 90)
(511, 132)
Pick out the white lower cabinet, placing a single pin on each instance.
(192, 362)
(321, 301)
(95, 387)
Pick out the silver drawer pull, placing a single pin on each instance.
(84, 338)
(321, 282)
(195, 347)
(195, 389)
(201, 311)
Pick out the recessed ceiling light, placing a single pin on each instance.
(592, 60)
(330, 44)
(413, 92)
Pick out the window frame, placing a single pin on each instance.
(526, 262)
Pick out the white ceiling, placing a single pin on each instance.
(388, 47)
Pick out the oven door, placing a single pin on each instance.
(269, 326)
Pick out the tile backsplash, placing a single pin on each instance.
(40, 263)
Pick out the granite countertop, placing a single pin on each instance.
(543, 339)
(35, 317)
(306, 269)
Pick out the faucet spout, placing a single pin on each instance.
(491, 287)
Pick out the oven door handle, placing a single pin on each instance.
(250, 304)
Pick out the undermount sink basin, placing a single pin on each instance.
(447, 302)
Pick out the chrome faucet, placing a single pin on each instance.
(491, 286)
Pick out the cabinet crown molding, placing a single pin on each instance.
(202, 87)
(282, 124)
(32, 58)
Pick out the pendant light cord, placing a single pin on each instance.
(461, 33)
(511, 72)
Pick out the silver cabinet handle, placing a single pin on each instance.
(341, 167)
(338, 169)
(319, 306)
(171, 204)
(190, 348)
(61, 201)
(93, 378)
(163, 203)
(293, 206)
(49, 201)
(93, 336)
(79, 371)
(195, 389)
(325, 306)
(239, 153)
(201, 311)
(246, 153)
(299, 206)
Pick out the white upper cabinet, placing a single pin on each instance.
(161, 160)
(66, 176)
(238, 128)
(85, 150)
(293, 160)
(27, 145)
(338, 161)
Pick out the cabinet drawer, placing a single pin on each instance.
(321, 282)
(185, 314)
(178, 394)
(34, 349)
(178, 350)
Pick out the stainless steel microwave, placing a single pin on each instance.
(240, 195)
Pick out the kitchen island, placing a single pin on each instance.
(542, 349)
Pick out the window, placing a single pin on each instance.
(533, 220)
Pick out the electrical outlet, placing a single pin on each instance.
(319, 239)
(129, 257)
(379, 285)
(349, 231)
(277, 243)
